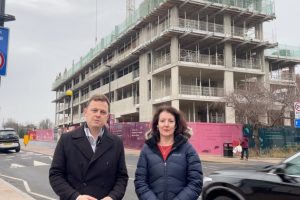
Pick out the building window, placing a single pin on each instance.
(76, 80)
(149, 89)
(96, 85)
(149, 62)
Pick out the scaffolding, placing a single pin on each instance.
(146, 7)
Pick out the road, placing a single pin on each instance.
(28, 171)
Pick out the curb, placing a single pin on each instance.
(10, 192)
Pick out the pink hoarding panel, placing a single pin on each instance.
(210, 137)
(45, 135)
(207, 137)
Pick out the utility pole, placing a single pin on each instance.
(4, 18)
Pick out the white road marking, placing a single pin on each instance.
(14, 165)
(27, 187)
(38, 163)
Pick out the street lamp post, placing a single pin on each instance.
(109, 80)
(109, 89)
(69, 93)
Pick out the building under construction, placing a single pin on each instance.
(184, 53)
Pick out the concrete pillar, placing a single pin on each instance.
(259, 31)
(175, 104)
(227, 46)
(174, 17)
(227, 24)
(175, 82)
(145, 111)
(228, 82)
(175, 86)
(287, 120)
(265, 79)
(229, 88)
(229, 114)
(174, 22)
(143, 35)
(228, 55)
(174, 50)
(263, 119)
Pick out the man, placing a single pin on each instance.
(89, 162)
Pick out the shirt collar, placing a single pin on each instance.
(88, 133)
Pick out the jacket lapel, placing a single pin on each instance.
(82, 144)
(104, 145)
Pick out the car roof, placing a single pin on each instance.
(7, 129)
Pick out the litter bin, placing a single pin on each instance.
(228, 150)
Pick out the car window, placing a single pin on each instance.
(293, 166)
(7, 132)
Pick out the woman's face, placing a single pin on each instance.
(166, 124)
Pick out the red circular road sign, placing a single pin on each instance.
(297, 106)
(2, 61)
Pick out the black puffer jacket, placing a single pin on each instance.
(180, 177)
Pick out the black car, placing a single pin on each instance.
(9, 140)
(276, 182)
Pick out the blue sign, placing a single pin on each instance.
(4, 33)
(297, 123)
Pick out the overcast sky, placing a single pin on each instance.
(48, 34)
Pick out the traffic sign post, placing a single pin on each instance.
(297, 114)
(297, 123)
(4, 33)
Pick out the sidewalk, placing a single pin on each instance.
(9, 192)
(49, 150)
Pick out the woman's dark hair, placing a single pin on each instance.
(180, 123)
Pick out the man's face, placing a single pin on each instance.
(96, 114)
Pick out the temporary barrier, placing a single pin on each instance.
(207, 137)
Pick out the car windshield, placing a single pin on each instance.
(7, 132)
(293, 165)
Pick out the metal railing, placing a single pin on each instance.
(161, 61)
(196, 57)
(201, 91)
(282, 77)
(246, 63)
(200, 25)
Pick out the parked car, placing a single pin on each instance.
(9, 140)
(276, 182)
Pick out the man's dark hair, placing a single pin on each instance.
(98, 97)
(180, 123)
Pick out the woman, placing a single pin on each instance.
(168, 167)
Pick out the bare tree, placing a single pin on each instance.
(45, 124)
(11, 123)
(253, 101)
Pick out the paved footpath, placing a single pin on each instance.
(9, 192)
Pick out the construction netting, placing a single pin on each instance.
(261, 6)
(147, 6)
(284, 51)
